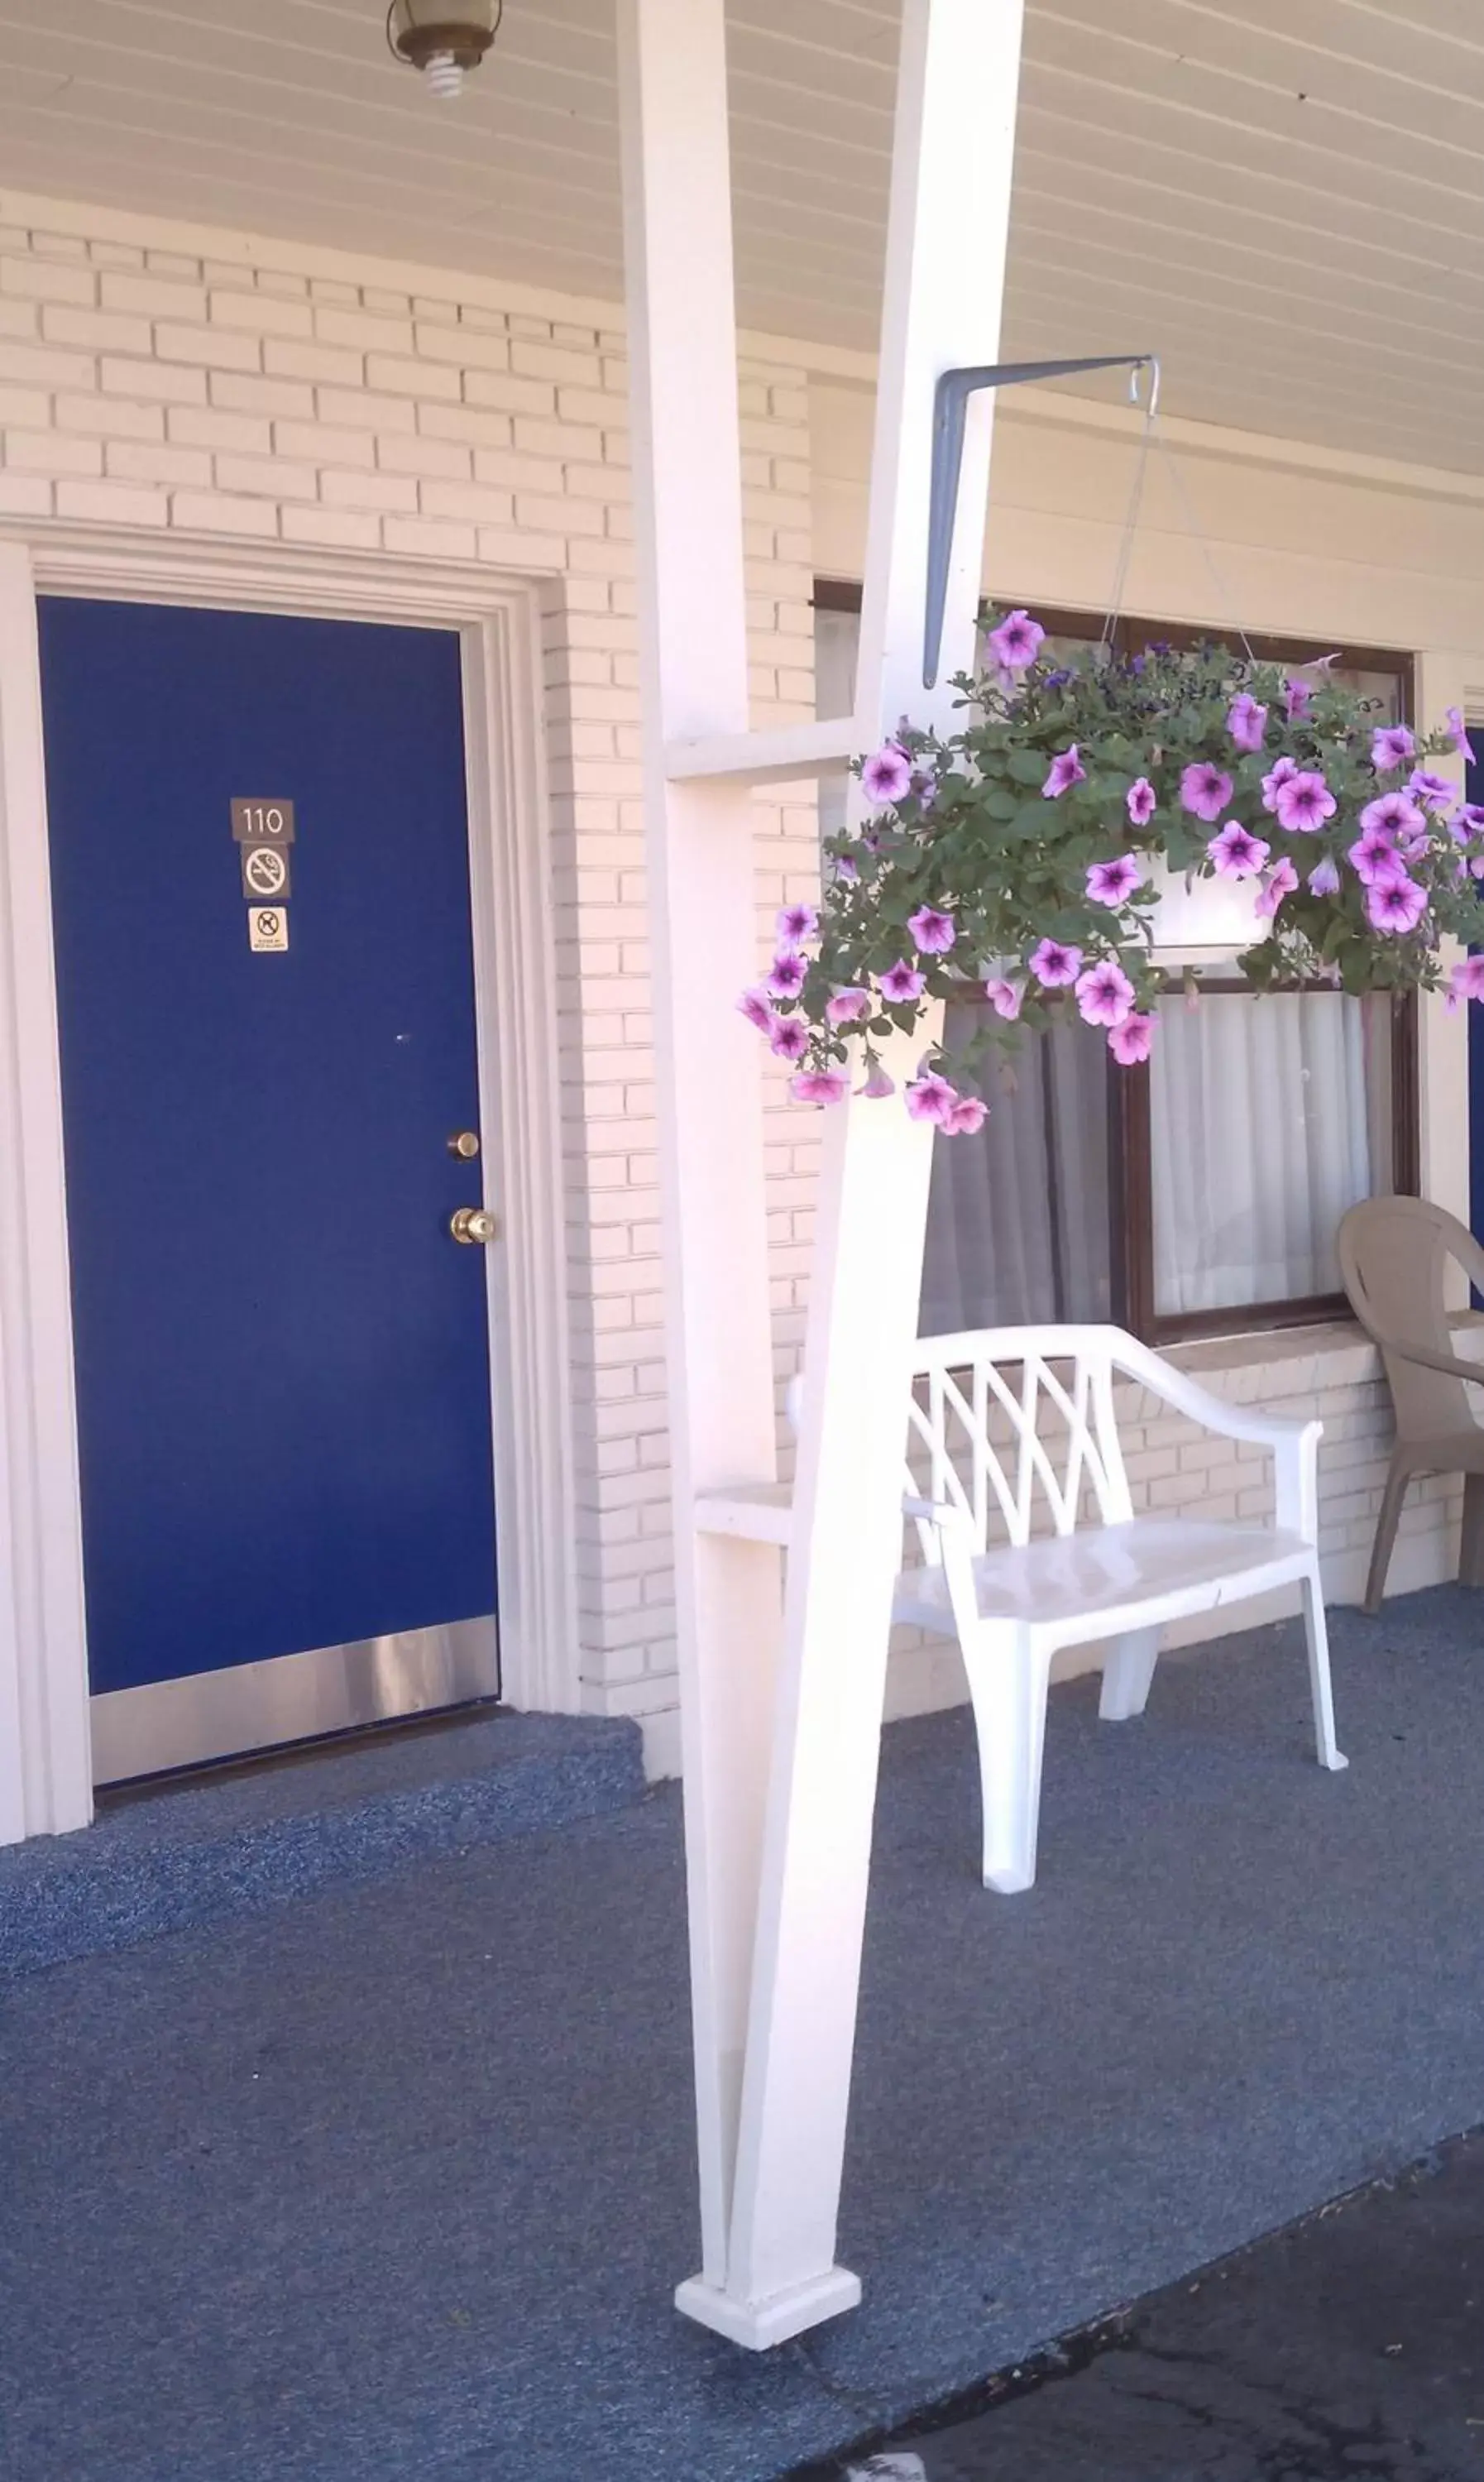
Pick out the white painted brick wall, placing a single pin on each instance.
(155, 389)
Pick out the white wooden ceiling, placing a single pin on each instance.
(1283, 196)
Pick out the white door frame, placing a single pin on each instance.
(45, 1759)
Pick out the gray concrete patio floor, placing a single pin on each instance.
(391, 2182)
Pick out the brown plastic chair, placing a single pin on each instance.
(1393, 1256)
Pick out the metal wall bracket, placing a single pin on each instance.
(950, 404)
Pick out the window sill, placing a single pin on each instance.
(1295, 1361)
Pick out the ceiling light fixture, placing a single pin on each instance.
(442, 37)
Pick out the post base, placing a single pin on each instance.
(758, 2324)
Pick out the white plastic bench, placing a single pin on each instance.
(1012, 1605)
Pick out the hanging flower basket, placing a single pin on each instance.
(1095, 832)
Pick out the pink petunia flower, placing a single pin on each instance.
(886, 775)
(789, 1036)
(1205, 790)
(1113, 882)
(1324, 878)
(788, 974)
(1134, 1041)
(1281, 882)
(1055, 966)
(1304, 803)
(846, 869)
(847, 1007)
(1017, 642)
(1392, 815)
(933, 932)
(930, 1098)
(819, 1086)
(754, 1005)
(967, 1117)
(1460, 733)
(1395, 903)
(1246, 722)
(795, 924)
(1390, 745)
(1236, 852)
(1065, 771)
(902, 982)
(1297, 699)
(1374, 858)
(1141, 801)
(1431, 792)
(878, 1084)
(1278, 774)
(1466, 978)
(1104, 995)
(1004, 997)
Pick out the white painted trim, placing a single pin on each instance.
(42, 1661)
(521, 1107)
(46, 1770)
(785, 755)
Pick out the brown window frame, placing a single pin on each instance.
(1131, 1203)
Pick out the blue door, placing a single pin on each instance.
(283, 1351)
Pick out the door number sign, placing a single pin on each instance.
(264, 823)
(263, 833)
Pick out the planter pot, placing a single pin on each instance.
(1204, 921)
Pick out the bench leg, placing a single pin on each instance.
(1008, 1684)
(1126, 1674)
(1317, 1636)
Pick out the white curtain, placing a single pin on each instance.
(1259, 1136)
(837, 638)
(1018, 1217)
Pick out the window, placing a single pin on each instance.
(1198, 1194)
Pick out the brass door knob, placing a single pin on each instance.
(465, 1143)
(472, 1223)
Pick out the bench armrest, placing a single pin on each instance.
(1293, 1440)
(944, 1514)
(956, 1540)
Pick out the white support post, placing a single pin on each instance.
(687, 461)
(950, 214)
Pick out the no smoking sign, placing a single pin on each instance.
(265, 871)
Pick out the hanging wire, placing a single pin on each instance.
(1154, 435)
(1136, 493)
(1224, 600)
